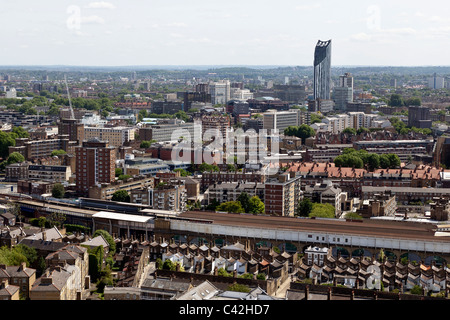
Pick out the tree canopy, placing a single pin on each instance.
(304, 131)
(58, 152)
(230, 207)
(108, 238)
(121, 196)
(256, 206)
(58, 191)
(322, 210)
(361, 158)
(304, 208)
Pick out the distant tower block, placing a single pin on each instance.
(322, 70)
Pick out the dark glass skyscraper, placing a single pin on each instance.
(322, 70)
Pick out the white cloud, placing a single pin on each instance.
(100, 5)
(307, 7)
(199, 40)
(176, 24)
(92, 20)
(361, 37)
(399, 31)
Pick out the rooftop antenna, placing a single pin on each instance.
(72, 116)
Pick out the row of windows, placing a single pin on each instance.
(323, 238)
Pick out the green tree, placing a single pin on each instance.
(304, 208)
(58, 152)
(56, 219)
(231, 207)
(123, 177)
(223, 273)
(304, 131)
(244, 199)
(159, 264)
(30, 253)
(416, 290)
(118, 172)
(14, 209)
(373, 161)
(146, 144)
(362, 130)
(19, 132)
(261, 276)
(349, 130)
(212, 206)
(105, 234)
(182, 116)
(315, 118)
(239, 288)
(323, 210)
(58, 191)
(15, 157)
(348, 160)
(394, 160)
(396, 100)
(121, 196)
(12, 257)
(414, 101)
(183, 173)
(256, 206)
(169, 265)
(205, 167)
(353, 216)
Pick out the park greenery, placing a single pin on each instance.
(8, 139)
(360, 159)
(309, 209)
(244, 204)
(397, 100)
(303, 132)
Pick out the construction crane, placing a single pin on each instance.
(72, 115)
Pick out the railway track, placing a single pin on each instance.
(395, 229)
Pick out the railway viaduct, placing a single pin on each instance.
(416, 241)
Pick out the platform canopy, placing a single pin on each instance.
(123, 217)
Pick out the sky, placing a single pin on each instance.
(231, 32)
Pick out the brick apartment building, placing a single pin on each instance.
(210, 178)
(282, 194)
(95, 164)
(36, 149)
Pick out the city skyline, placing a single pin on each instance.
(115, 33)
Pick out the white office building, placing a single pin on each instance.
(220, 92)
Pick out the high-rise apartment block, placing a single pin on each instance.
(280, 120)
(282, 195)
(343, 94)
(215, 121)
(71, 127)
(436, 82)
(220, 91)
(322, 70)
(419, 117)
(95, 164)
(116, 136)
